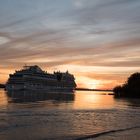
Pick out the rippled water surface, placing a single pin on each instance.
(82, 115)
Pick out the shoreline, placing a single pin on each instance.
(86, 89)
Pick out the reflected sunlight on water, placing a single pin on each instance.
(93, 100)
(3, 98)
(73, 116)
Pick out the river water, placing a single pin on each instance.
(80, 116)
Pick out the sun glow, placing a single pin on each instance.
(86, 82)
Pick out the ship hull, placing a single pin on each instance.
(46, 89)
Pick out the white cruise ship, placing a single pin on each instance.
(34, 78)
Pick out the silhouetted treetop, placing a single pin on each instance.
(131, 88)
(134, 80)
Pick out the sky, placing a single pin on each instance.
(96, 40)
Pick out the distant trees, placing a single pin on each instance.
(2, 86)
(131, 88)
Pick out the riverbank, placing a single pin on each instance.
(132, 134)
(87, 89)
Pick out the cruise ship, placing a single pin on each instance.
(34, 78)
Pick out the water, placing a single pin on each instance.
(84, 115)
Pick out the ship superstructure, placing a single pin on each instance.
(34, 78)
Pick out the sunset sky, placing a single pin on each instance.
(96, 40)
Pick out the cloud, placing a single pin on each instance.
(101, 37)
(34, 47)
(3, 40)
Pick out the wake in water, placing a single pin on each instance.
(105, 133)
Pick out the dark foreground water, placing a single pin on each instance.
(84, 115)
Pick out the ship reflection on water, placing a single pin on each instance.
(27, 115)
(34, 96)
